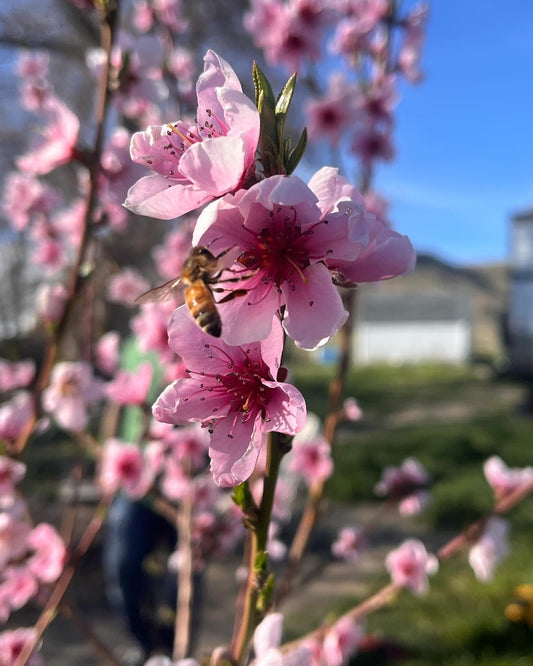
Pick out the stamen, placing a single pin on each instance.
(175, 130)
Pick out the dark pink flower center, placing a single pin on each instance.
(280, 253)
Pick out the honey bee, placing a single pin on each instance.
(199, 277)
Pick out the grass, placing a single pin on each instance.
(462, 621)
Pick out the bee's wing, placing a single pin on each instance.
(159, 294)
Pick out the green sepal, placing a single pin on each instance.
(266, 596)
(261, 561)
(243, 498)
(295, 155)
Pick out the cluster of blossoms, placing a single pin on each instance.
(31, 557)
(289, 241)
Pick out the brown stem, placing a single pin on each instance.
(183, 624)
(50, 610)
(316, 491)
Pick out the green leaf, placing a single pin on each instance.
(296, 153)
(261, 561)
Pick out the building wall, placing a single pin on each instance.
(412, 342)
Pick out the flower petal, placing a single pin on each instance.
(314, 309)
(234, 450)
(159, 197)
(215, 166)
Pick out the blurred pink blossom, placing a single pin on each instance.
(72, 388)
(14, 530)
(18, 586)
(331, 115)
(57, 143)
(11, 472)
(348, 544)
(130, 388)
(351, 410)
(16, 374)
(150, 326)
(405, 484)
(410, 50)
(15, 415)
(170, 256)
(23, 196)
(12, 643)
(502, 479)
(341, 642)
(490, 549)
(124, 287)
(51, 300)
(107, 352)
(267, 640)
(122, 466)
(410, 564)
(50, 554)
(311, 459)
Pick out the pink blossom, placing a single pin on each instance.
(150, 326)
(143, 16)
(137, 75)
(170, 256)
(51, 300)
(290, 239)
(372, 142)
(266, 641)
(332, 115)
(170, 14)
(181, 65)
(490, 549)
(410, 564)
(11, 472)
(49, 558)
(379, 206)
(341, 642)
(195, 163)
(18, 586)
(14, 530)
(502, 479)
(348, 544)
(33, 65)
(107, 352)
(409, 55)
(123, 467)
(130, 388)
(125, 286)
(405, 484)
(15, 415)
(311, 459)
(188, 445)
(72, 388)
(175, 484)
(233, 392)
(349, 40)
(23, 196)
(57, 144)
(15, 374)
(351, 410)
(12, 643)
(116, 175)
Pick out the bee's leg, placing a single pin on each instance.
(232, 294)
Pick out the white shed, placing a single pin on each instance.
(413, 327)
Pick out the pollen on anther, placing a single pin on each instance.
(311, 303)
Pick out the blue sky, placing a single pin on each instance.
(464, 135)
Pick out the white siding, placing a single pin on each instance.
(413, 342)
